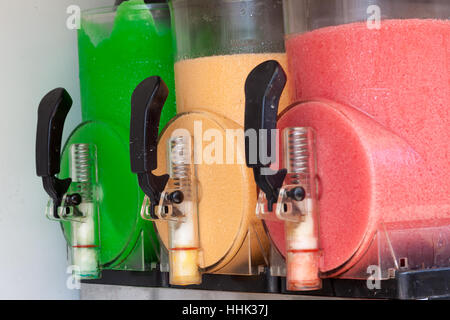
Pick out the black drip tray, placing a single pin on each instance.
(423, 284)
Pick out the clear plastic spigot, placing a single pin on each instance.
(178, 206)
(73, 199)
(297, 206)
(184, 243)
(85, 242)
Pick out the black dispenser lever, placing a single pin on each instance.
(146, 105)
(52, 113)
(263, 89)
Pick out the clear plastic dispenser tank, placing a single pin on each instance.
(372, 79)
(98, 199)
(217, 44)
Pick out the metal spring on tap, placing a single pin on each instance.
(180, 157)
(82, 171)
(297, 153)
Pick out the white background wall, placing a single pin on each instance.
(37, 54)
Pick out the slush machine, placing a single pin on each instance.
(307, 152)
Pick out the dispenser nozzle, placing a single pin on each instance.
(292, 189)
(300, 214)
(173, 198)
(79, 208)
(184, 239)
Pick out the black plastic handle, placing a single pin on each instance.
(263, 89)
(52, 113)
(146, 105)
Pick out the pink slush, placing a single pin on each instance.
(383, 129)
